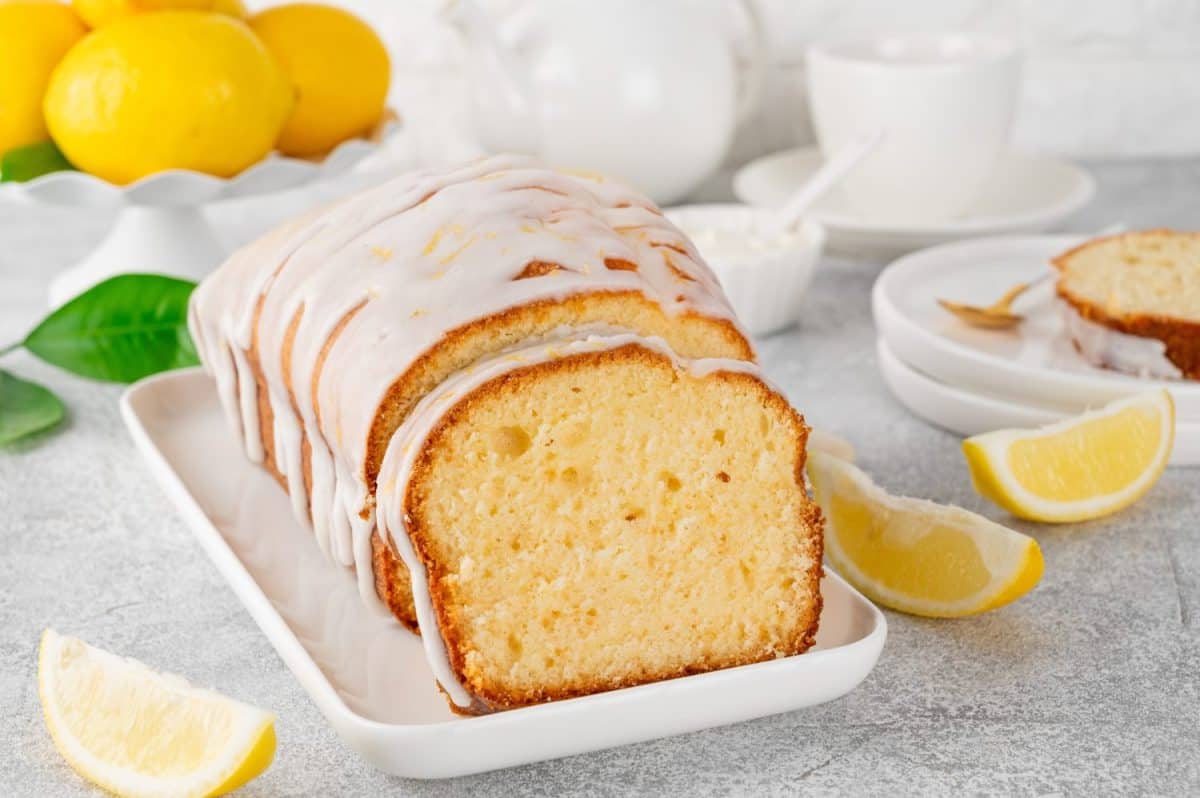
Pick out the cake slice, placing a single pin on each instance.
(595, 512)
(1132, 302)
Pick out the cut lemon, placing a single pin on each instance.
(822, 441)
(1081, 468)
(916, 556)
(137, 732)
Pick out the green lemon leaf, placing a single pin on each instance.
(25, 408)
(120, 330)
(33, 160)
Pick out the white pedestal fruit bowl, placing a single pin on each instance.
(160, 226)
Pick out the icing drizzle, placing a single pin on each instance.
(1103, 346)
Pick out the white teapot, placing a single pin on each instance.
(646, 90)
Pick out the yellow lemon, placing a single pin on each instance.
(916, 556)
(137, 732)
(34, 36)
(169, 90)
(1081, 468)
(101, 12)
(340, 70)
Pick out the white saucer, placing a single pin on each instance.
(1035, 364)
(1029, 194)
(970, 413)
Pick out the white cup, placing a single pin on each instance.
(945, 103)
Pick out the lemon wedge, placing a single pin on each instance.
(822, 441)
(137, 732)
(916, 556)
(1081, 468)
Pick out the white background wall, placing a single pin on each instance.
(1104, 78)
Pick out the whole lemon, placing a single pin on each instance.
(34, 36)
(340, 70)
(169, 90)
(101, 12)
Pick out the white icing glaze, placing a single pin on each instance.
(390, 271)
(409, 441)
(1102, 346)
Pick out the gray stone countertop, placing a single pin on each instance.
(1088, 686)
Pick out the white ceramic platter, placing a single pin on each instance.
(1027, 195)
(1035, 364)
(368, 676)
(970, 413)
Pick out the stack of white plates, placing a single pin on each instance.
(970, 380)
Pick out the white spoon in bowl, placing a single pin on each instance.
(825, 178)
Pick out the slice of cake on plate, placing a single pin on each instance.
(516, 403)
(1131, 302)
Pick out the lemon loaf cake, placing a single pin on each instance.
(516, 403)
(1131, 302)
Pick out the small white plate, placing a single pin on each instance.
(1034, 364)
(1029, 194)
(368, 676)
(969, 413)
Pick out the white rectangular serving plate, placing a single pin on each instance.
(368, 675)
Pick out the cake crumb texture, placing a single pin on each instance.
(606, 520)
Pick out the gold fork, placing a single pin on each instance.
(999, 314)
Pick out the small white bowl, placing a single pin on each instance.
(764, 280)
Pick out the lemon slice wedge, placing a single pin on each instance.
(137, 732)
(914, 555)
(1081, 468)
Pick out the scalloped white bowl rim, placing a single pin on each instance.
(275, 172)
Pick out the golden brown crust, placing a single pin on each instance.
(392, 583)
(531, 319)
(491, 697)
(1180, 336)
(1181, 339)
